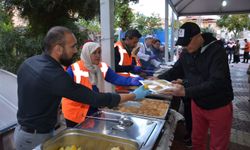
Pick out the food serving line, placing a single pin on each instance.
(143, 125)
(111, 128)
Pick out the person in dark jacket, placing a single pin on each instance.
(236, 52)
(248, 73)
(156, 48)
(42, 82)
(205, 68)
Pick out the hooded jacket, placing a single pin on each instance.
(207, 74)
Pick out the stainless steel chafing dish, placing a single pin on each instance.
(153, 108)
(88, 140)
(145, 131)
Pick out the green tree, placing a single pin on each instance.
(209, 29)
(89, 29)
(15, 44)
(6, 37)
(177, 24)
(123, 14)
(147, 25)
(91, 25)
(43, 14)
(234, 23)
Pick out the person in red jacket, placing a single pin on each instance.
(246, 51)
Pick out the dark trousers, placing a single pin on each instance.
(188, 114)
(229, 55)
(175, 103)
(246, 55)
(236, 58)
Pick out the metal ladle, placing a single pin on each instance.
(123, 124)
(123, 121)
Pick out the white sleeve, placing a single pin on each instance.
(141, 54)
(155, 63)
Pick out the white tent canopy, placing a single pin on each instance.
(180, 7)
(209, 7)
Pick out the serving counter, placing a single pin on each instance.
(86, 140)
(142, 131)
(8, 103)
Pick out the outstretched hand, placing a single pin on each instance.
(141, 92)
(177, 90)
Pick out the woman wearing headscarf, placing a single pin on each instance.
(91, 72)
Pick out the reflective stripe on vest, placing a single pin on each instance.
(128, 74)
(72, 110)
(78, 73)
(125, 59)
(133, 75)
(137, 60)
(104, 68)
(76, 111)
(122, 52)
(125, 74)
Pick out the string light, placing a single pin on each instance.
(224, 3)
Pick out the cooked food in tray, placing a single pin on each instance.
(147, 107)
(78, 139)
(72, 147)
(157, 86)
(115, 148)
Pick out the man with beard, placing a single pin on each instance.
(42, 82)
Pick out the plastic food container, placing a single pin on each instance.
(157, 86)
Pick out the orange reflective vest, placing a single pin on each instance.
(125, 59)
(247, 47)
(76, 111)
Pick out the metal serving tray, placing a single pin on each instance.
(137, 110)
(88, 141)
(145, 131)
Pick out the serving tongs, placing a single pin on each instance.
(123, 121)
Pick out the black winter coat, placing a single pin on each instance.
(207, 73)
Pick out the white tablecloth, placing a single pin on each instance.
(170, 126)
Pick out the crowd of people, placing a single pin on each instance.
(200, 76)
(233, 51)
(151, 53)
(42, 82)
